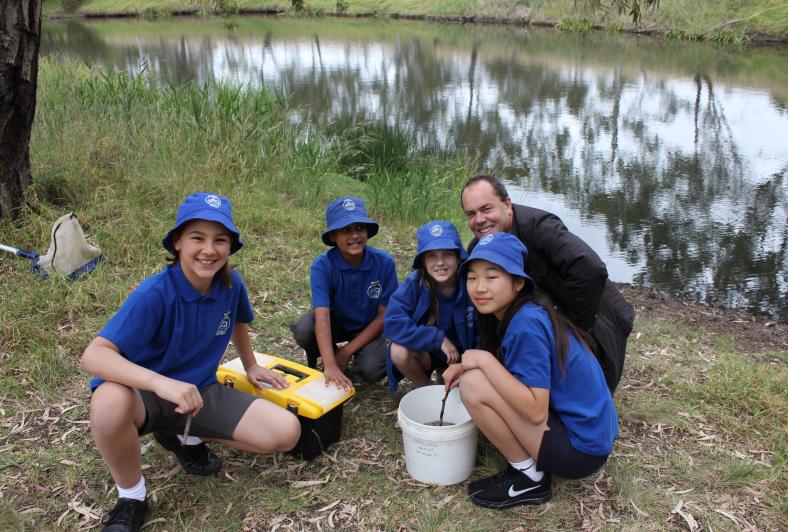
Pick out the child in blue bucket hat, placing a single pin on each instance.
(430, 320)
(533, 387)
(155, 363)
(351, 285)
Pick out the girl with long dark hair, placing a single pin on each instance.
(533, 388)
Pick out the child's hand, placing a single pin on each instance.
(335, 375)
(343, 357)
(261, 377)
(452, 374)
(183, 394)
(475, 358)
(448, 348)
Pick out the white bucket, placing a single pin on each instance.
(437, 454)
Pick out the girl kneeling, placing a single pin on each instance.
(533, 388)
(430, 321)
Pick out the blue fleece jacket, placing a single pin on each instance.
(406, 315)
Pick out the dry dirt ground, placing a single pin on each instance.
(751, 332)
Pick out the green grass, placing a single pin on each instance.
(728, 22)
(703, 419)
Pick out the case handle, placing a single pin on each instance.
(290, 371)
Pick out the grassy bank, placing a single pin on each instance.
(725, 21)
(703, 411)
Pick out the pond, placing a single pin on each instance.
(670, 159)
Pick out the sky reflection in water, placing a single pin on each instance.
(669, 159)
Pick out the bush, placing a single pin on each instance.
(225, 8)
(342, 6)
(71, 6)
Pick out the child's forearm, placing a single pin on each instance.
(243, 344)
(325, 342)
(367, 334)
(103, 359)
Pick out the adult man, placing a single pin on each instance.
(561, 264)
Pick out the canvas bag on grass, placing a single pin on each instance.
(69, 252)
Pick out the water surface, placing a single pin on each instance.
(669, 159)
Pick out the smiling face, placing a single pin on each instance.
(351, 241)
(203, 248)
(441, 265)
(485, 211)
(492, 289)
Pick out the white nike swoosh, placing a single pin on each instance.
(515, 493)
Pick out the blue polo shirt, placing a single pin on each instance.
(353, 294)
(580, 396)
(166, 326)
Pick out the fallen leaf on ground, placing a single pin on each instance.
(329, 506)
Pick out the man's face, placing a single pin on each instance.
(486, 212)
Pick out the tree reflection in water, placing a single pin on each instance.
(668, 148)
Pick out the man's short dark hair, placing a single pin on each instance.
(498, 187)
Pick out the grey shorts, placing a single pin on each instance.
(223, 408)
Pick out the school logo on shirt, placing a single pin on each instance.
(349, 205)
(486, 240)
(375, 289)
(470, 314)
(224, 325)
(213, 201)
(436, 230)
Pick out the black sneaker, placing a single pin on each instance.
(509, 488)
(195, 459)
(128, 515)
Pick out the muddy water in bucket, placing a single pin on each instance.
(437, 454)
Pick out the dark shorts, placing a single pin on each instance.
(223, 408)
(438, 361)
(556, 455)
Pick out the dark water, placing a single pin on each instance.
(439, 423)
(669, 159)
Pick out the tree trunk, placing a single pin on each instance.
(20, 40)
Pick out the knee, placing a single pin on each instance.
(111, 408)
(371, 369)
(289, 433)
(304, 330)
(472, 386)
(399, 354)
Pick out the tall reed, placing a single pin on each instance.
(122, 150)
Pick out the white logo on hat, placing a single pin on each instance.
(486, 240)
(436, 230)
(214, 201)
(375, 289)
(349, 205)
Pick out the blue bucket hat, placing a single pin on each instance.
(209, 207)
(346, 211)
(438, 235)
(505, 251)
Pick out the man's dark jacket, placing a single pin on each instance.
(576, 279)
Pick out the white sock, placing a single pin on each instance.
(529, 468)
(190, 440)
(136, 492)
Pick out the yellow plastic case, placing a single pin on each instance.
(318, 407)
